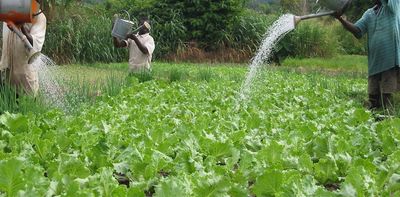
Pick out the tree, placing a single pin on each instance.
(208, 21)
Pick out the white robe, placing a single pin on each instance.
(138, 60)
(14, 57)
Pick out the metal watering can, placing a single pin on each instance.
(122, 27)
(20, 11)
(332, 6)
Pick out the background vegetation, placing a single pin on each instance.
(199, 31)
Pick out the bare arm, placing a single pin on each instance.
(142, 48)
(350, 27)
(119, 43)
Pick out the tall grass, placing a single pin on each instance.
(142, 75)
(175, 74)
(205, 74)
(17, 101)
(80, 85)
(81, 92)
(84, 35)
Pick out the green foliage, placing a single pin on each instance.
(168, 28)
(309, 39)
(142, 75)
(11, 180)
(348, 43)
(208, 21)
(296, 136)
(175, 75)
(298, 7)
(346, 63)
(205, 74)
(83, 36)
(12, 100)
(248, 30)
(81, 32)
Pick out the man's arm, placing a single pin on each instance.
(350, 27)
(142, 48)
(119, 43)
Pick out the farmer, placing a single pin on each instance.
(382, 24)
(141, 47)
(14, 67)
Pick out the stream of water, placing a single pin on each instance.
(278, 30)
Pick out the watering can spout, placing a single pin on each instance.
(297, 19)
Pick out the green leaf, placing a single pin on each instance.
(16, 123)
(75, 168)
(269, 184)
(326, 170)
(11, 179)
(172, 187)
(211, 185)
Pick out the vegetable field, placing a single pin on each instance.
(186, 133)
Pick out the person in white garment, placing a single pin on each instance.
(14, 67)
(141, 47)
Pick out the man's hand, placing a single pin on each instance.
(338, 14)
(132, 36)
(19, 25)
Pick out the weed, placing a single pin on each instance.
(142, 75)
(205, 74)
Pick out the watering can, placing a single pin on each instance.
(122, 27)
(20, 11)
(332, 7)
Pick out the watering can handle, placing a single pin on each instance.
(127, 13)
(20, 34)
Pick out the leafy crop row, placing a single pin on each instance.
(298, 135)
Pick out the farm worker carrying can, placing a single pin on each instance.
(14, 66)
(382, 24)
(141, 45)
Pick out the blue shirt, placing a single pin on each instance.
(383, 28)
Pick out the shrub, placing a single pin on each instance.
(349, 44)
(309, 39)
(249, 30)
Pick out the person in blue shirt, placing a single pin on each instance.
(382, 24)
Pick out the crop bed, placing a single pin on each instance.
(297, 135)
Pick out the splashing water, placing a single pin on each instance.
(278, 30)
(49, 86)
